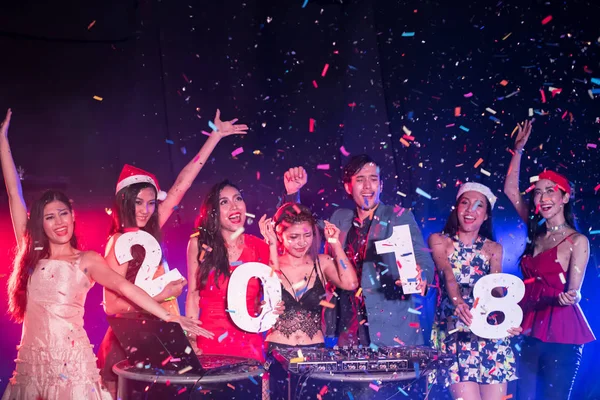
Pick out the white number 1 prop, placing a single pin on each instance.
(487, 303)
(150, 263)
(236, 296)
(400, 243)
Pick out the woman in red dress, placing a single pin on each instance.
(553, 266)
(218, 247)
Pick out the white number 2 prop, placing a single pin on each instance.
(236, 296)
(400, 243)
(150, 264)
(487, 303)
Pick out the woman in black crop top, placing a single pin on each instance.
(293, 240)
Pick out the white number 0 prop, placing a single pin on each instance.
(236, 296)
(487, 303)
(150, 264)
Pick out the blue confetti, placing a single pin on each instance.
(223, 336)
(230, 311)
(385, 271)
(402, 391)
(464, 128)
(305, 3)
(212, 126)
(595, 91)
(518, 347)
(408, 34)
(350, 396)
(417, 374)
(252, 380)
(541, 221)
(594, 232)
(169, 141)
(374, 347)
(405, 254)
(236, 263)
(596, 81)
(383, 223)
(422, 193)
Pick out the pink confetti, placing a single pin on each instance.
(323, 166)
(547, 19)
(543, 95)
(181, 390)
(325, 68)
(237, 151)
(315, 84)
(258, 175)
(311, 125)
(374, 387)
(206, 133)
(344, 151)
(592, 145)
(470, 94)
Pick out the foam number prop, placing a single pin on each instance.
(236, 296)
(150, 264)
(400, 243)
(487, 303)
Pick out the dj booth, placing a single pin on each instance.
(161, 365)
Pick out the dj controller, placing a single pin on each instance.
(357, 359)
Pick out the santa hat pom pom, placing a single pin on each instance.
(162, 195)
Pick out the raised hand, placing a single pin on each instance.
(5, 124)
(226, 128)
(523, 134)
(332, 233)
(294, 178)
(267, 229)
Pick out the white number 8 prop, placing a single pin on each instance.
(150, 264)
(236, 296)
(487, 304)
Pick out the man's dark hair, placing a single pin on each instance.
(355, 164)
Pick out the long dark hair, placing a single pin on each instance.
(123, 217)
(28, 257)
(536, 228)
(486, 230)
(292, 213)
(208, 226)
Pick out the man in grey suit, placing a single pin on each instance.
(378, 312)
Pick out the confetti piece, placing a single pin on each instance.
(325, 68)
(38, 248)
(372, 385)
(404, 142)
(414, 324)
(402, 391)
(485, 172)
(91, 25)
(530, 280)
(399, 341)
(467, 95)
(223, 336)
(323, 390)
(562, 278)
(252, 380)
(490, 111)
(311, 125)
(229, 385)
(230, 311)
(374, 347)
(543, 95)
(464, 128)
(408, 34)
(504, 82)
(344, 151)
(413, 311)
(193, 235)
(63, 377)
(478, 163)
(188, 350)
(237, 233)
(452, 331)
(97, 98)
(596, 232)
(327, 304)
(476, 302)
(457, 111)
(237, 151)
(165, 361)
(350, 396)
(250, 215)
(404, 195)
(184, 370)
(358, 292)
(323, 166)
(315, 84)
(547, 19)
(212, 126)
(169, 141)
(509, 396)
(296, 360)
(423, 193)
(417, 372)
(182, 390)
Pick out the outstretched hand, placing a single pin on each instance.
(6, 123)
(332, 232)
(523, 134)
(294, 179)
(226, 128)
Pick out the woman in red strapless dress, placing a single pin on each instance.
(213, 254)
(553, 266)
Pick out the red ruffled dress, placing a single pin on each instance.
(229, 339)
(543, 317)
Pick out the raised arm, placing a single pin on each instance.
(18, 209)
(189, 173)
(337, 269)
(511, 184)
(577, 265)
(192, 301)
(99, 271)
(439, 247)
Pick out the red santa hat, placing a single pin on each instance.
(131, 175)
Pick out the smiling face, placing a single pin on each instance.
(297, 239)
(471, 211)
(145, 205)
(365, 187)
(58, 222)
(549, 200)
(232, 209)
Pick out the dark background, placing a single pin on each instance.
(163, 67)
